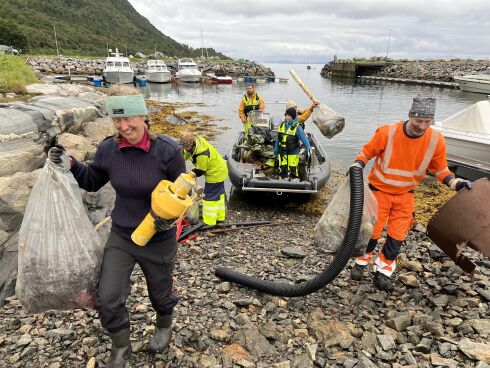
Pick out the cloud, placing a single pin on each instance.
(315, 30)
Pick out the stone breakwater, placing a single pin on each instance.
(82, 66)
(423, 70)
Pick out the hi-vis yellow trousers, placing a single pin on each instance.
(213, 204)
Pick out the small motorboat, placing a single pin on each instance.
(479, 83)
(256, 174)
(118, 69)
(187, 71)
(219, 77)
(157, 72)
(467, 136)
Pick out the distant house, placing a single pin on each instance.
(8, 50)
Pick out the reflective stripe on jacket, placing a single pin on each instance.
(207, 159)
(402, 161)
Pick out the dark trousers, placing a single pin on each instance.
(120, 256)
(390, 249)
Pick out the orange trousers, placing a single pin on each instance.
(397, 210)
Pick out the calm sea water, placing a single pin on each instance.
(364, 105)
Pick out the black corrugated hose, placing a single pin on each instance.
(332, 271)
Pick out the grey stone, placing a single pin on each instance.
(386, 342)
(293, 252)
(365, 362)
(350, 363)
(15, 123)
(60, 332)
(409, 279)
(331, 333)
(254, 342)
(302, 361)
(368, 341)
(409, 358)
(444, 348)
(424, 345)
(242, 302)
(485, 294)
(481, 326)
(440, 301)
(400, 322)
(269, 330)
(482, 365)
(434, 328)
(475, 350)
(449, 289)
(24, 340)
(20, 155)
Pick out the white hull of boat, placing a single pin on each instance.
(118, 77)
(471, 85)
(188, 78)
(466, 144)
(474, 150)
(158, 76)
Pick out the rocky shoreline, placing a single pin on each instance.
(83, 66)
(436, 317)
(443, 71)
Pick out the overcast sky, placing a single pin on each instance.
(314, 30)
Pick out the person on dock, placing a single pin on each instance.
(287, 145)
(134, 160)
(403, 152)
(250, 101)
(208, 162)
(304, 114)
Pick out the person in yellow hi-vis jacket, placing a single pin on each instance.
(250, 101)
(208, 162)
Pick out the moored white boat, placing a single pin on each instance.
(219, 79)
(479, 83)
(157, 72)
(118, 69)
(187, 71)
(467, 133)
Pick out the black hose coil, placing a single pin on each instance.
(332, 271)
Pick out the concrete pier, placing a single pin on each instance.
(411, 81)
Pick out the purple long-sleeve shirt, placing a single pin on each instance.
(133, 174)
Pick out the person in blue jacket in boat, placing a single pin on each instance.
(287, 146)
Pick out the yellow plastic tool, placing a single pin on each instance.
(169, 201)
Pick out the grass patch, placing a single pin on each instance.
(15, 75)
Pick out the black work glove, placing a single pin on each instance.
(55, 154)
(458, 184)
(162, 225)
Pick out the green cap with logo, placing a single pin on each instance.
(126, 106)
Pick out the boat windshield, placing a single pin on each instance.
(126, 64)
(118, 63)
(110, 63)
(257, 118)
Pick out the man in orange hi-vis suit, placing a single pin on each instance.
(403, 152)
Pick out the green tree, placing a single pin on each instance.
(12, 35)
